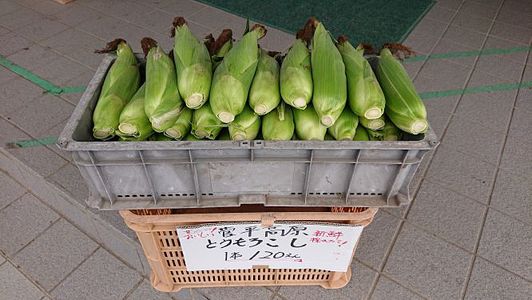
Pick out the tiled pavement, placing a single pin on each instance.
(467, 234)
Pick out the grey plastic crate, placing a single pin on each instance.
(179, 174)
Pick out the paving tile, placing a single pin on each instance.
(385, 288)
(155, 20)
(491, 282)
(73, 14)
(109, 28)
(55, 253)
(2, 260)
(276, 40)
(465, 36)
(513, 194)
(22, 221)
(6, 75)
(61, 70)
(521, 123)
(479, 9)
(510, 32)
(498, 43)
(20, 18)
(446, 45)
(120, 9)
(9, 133)
(41, 114)
(12, 42)
(461, 173)
(69, 178)
(447, 214)
(514, 17)
(500, 66)
(183, 8)
(472, 22)
(102, 276)
(492, 110)
(444, 74)
(4, 30)
(518, 5)
(434, 268)
(217, 19)
(33, 57)
(43, 7)
(450, 4)
(78, 46)
(8, 6)
(479, 78)
(11, 190)
(412, 68)
(440, 13)
(15, 94)
(376, 239)
(421, 43)
(524, 99)
(430, 26)
(507, 242)
(41, 29)
(146, 292)
(357, 288)
(41, 159)
(228, 293)
(15, 286)
(439, 112)
(516, 154)
(475, 139)
(81, 80)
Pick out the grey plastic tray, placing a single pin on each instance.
(180, 174)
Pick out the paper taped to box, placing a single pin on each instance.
(282, 246)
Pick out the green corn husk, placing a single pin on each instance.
(375, 135)
(182, 126)
(190, 137)
(264, 93)
(120, 84)
(296, 76)
(365, 96)
(163, 102)
(193, 65)
(133, 120)
(361, 134)
(232, 78)
(375, 124)
(278, 125)
(159, 137)
(403, 104)
(224, 135)
(308, 125)
(205, 124)
(345, 126)
(328, 76)
(246, 125)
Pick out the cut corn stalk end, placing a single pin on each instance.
(104, 133)
(128, 129)
(327, 121)
(419, 126)
(239, 137)
(300, 103)
(226, 117)
(261, 109)
(174, 133)
(195, 100)
(373, 113)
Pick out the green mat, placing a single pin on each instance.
(370, 21)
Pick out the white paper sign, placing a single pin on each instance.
(281, 246)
